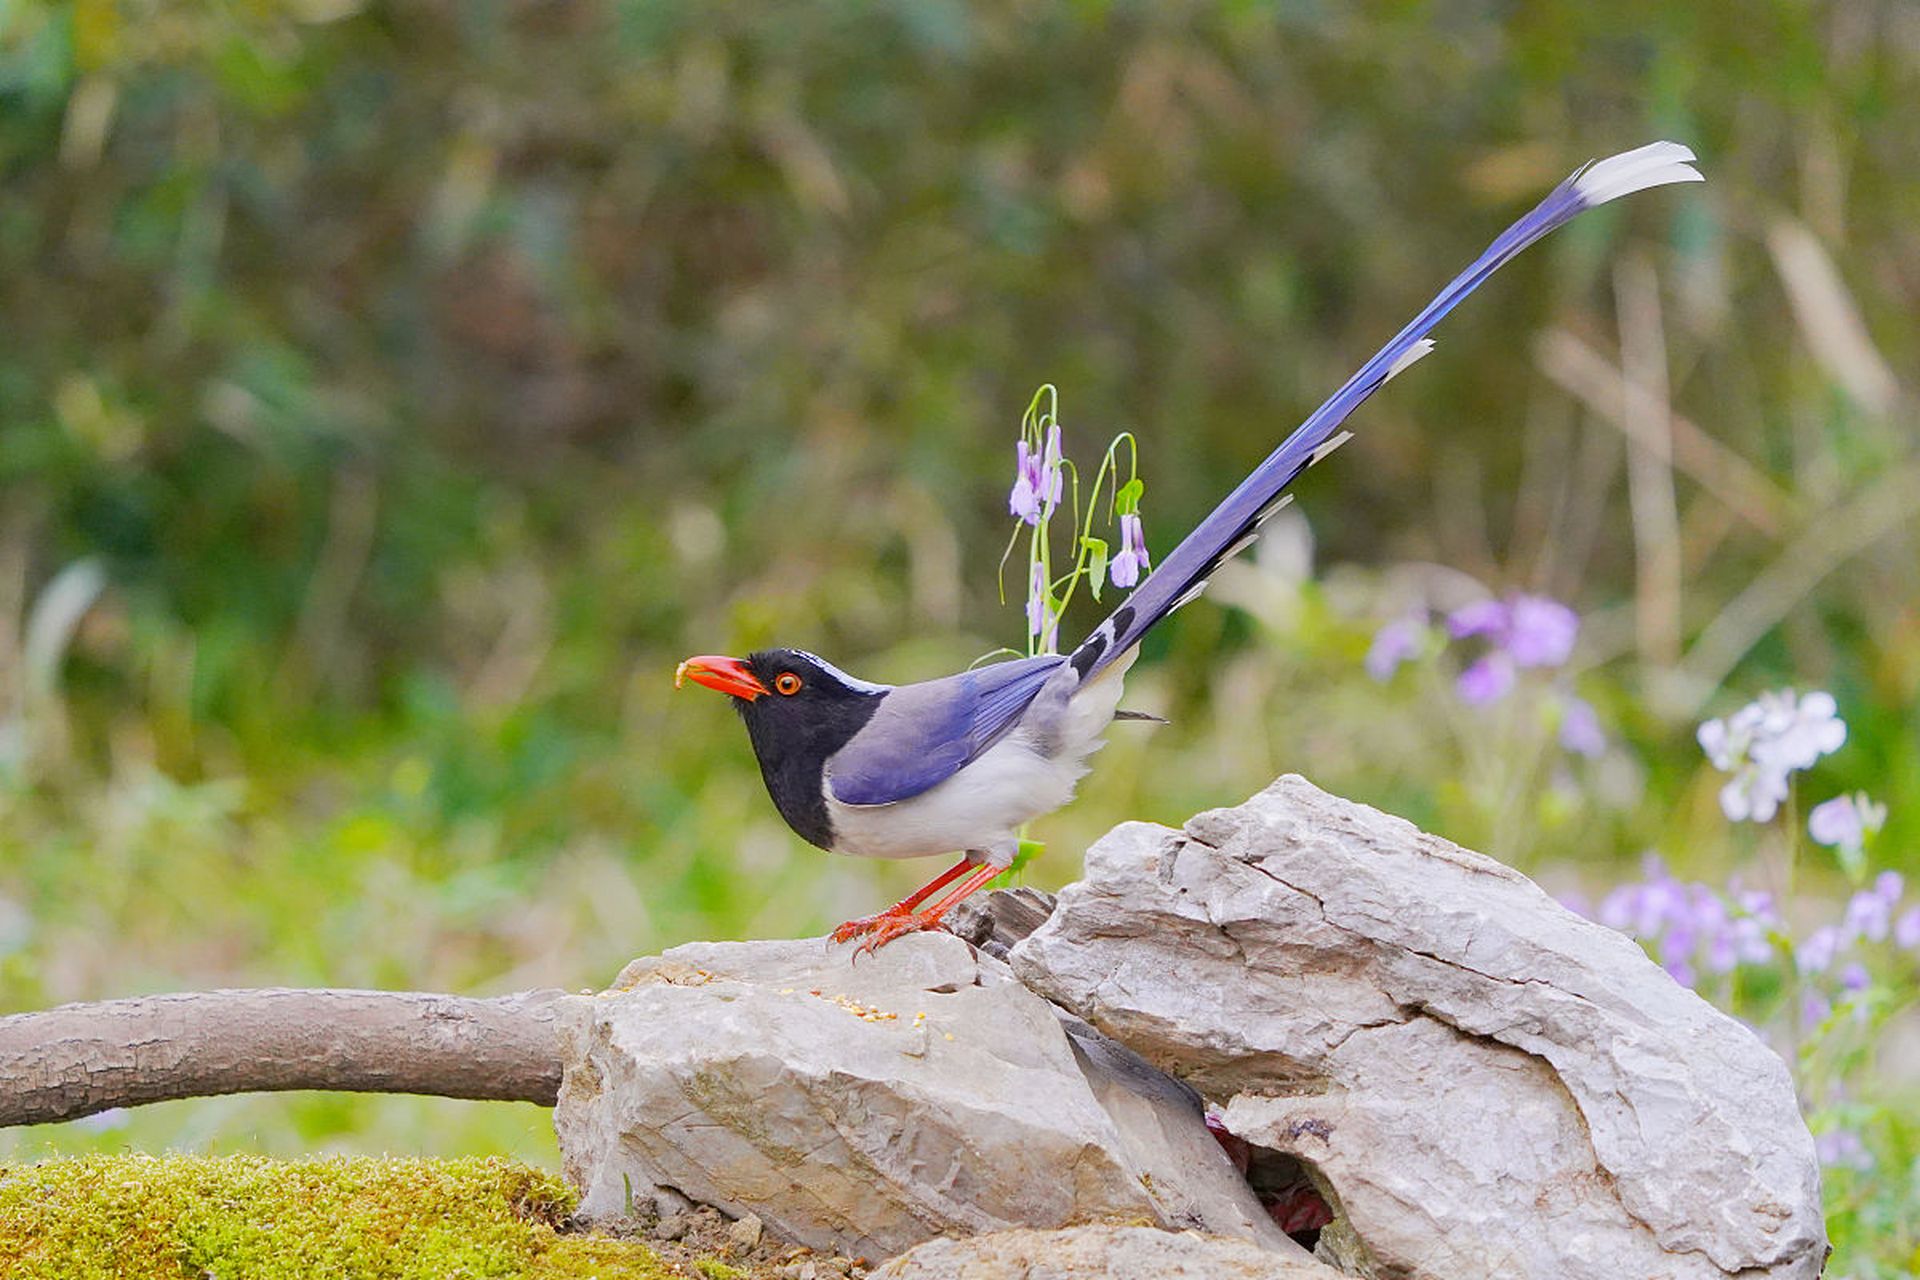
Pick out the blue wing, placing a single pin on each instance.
(1232, 524)
(925, 733)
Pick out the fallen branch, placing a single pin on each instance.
(78, 1059)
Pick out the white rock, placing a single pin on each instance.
(784, 1080)
(1097, 1253)
(1488, 1084)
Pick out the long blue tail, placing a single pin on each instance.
(1236, 521)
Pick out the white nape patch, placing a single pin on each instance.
(852, 682)
(1412, 354)
(1327, 448)
(1654, 165)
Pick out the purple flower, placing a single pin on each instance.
(1845, 822)
(1533, 630)
(1541, 631)
(1818, 951)
(1838, 1147)
(1522, 631)
(1750, 941)
(1481, 618)
(1868, 916)
(1906, 930)
(1126, 566)
(1835, 822)
(1393, 644)
(1037, 599)
(1486, 680)
(1814, 1009)
(1037, 482)
(1854, 977)
(1580, 728)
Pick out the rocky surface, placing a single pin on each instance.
(866, 1108)
(1098, 1253)
(1486, 1083)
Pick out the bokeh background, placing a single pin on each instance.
(390, 394)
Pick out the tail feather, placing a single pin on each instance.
(1235, 522)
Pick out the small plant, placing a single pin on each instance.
(1043, 475)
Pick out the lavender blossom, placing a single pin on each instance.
(1541, 632)
(1870, 911)
(1816, 953)
(1906, 930)
(1481, 618)
(1393, 644)
(1126, 566)
(1580, 727)
(1842, 1148)
(1488, 679)
(1037, 482)
(1521, 631)
(1037, 609)
(1845, 822)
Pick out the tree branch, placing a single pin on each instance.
(81, 1058)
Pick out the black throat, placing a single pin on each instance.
(793, 741)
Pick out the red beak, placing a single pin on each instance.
(728, 675)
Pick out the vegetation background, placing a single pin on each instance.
(391, 393)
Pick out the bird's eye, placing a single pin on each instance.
(787, 682)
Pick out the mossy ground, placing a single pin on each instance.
(136, 1217)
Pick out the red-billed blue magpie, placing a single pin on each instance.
(962, 762)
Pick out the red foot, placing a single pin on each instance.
(897, 927)
(902, 918)
(866, 924)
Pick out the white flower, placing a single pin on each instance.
(1765, 741)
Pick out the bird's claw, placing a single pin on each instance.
(865, 924)
(890, 927)
(883, 927)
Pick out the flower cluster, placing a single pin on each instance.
(1766, 742)
(1041, 474)
(1520, 632)
(1695, 930)
(1691, 927)
(1038, 482)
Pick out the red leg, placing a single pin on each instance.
(867, 924)
(928, 917)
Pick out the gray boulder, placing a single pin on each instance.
(1097, 1253)
(867, 1107)
(1485, 1083)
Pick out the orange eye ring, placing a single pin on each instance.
(787, 683)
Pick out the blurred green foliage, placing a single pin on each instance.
(391, 393)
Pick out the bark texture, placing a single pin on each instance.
(81, 1058)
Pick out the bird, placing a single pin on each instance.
(959, 764)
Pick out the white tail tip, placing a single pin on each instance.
(1407, 357)
(1654, 165)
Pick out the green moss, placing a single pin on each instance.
(713, 1270)
(137, 1217)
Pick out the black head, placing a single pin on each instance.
(799, 710)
